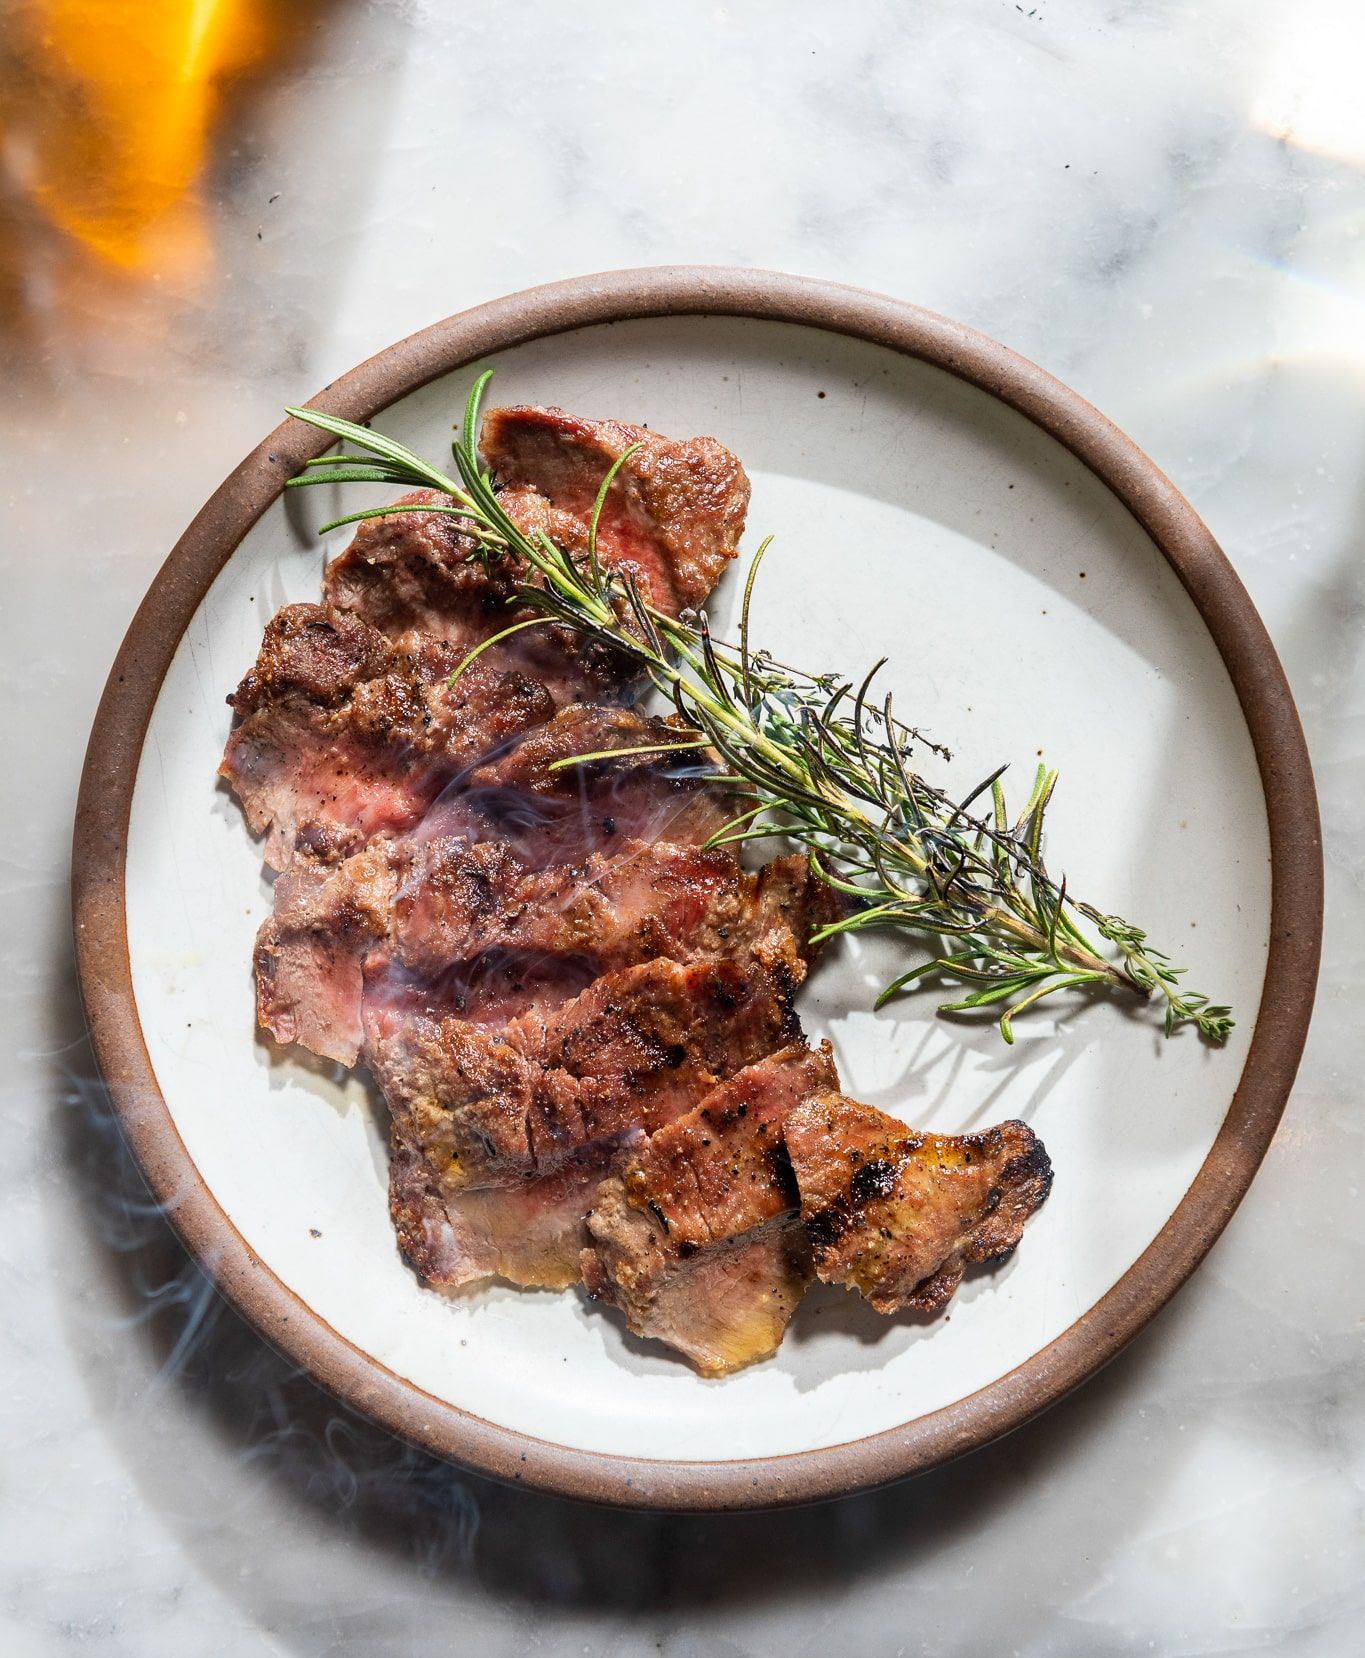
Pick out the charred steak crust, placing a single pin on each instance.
(898, 1215)
(634, 1050)
(695, 1233)
(344, 736)
(647, 899)
(677, 510)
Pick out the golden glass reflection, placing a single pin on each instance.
(108, 107)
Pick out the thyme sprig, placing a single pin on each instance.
(823, 759)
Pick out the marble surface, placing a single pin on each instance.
(1161, 203)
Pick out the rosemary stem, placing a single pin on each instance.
(1073, 953)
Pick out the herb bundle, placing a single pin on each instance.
(824, 760)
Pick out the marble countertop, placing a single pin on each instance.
(1161, 203)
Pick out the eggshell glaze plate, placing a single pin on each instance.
(1042, 594)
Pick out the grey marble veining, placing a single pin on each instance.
(1161, 203)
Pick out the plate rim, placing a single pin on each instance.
(360, 1381)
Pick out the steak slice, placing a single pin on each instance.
(651, 898)
(898, 1215)
(556, 813)
(326, 954)
(674, 518)
(674, 515)
(311, 956)
(310, 953)
(344, 737)
(531, 1233)
(428, 931)
(695, 1234)
(634, 1050)
(420, 571)
(418, 575)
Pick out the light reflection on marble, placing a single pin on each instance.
(1160, 203)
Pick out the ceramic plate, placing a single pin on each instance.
(1042, 592)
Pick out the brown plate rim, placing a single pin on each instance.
(1281, 1025)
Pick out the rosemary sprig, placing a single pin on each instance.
(825, 762)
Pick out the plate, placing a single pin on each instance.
(1042, 591)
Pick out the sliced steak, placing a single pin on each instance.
(650, 898)
(343, 736)
(326, 954)
(443, 929)
(674, 515)
(695, 1234)
(420, 571)
(475, 931)
(898, 1215)
(418, 575)
(310, 953)
(554, 812)
(634, 1050)
(531, 1233)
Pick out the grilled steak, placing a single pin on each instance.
(417, 575)
(898, 1215)
(531, 1233)
(482, 1179)
(649, 899)
(348, 728)
(674, 515)
(343, 736)
(462, 897)
(310, 953)
(634, 1050)
(497, 894)
(442, 927)
(417, 571)
(553, 812)
(695, 1234)
(674, 519)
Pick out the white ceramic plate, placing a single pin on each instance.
(1027, 615)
